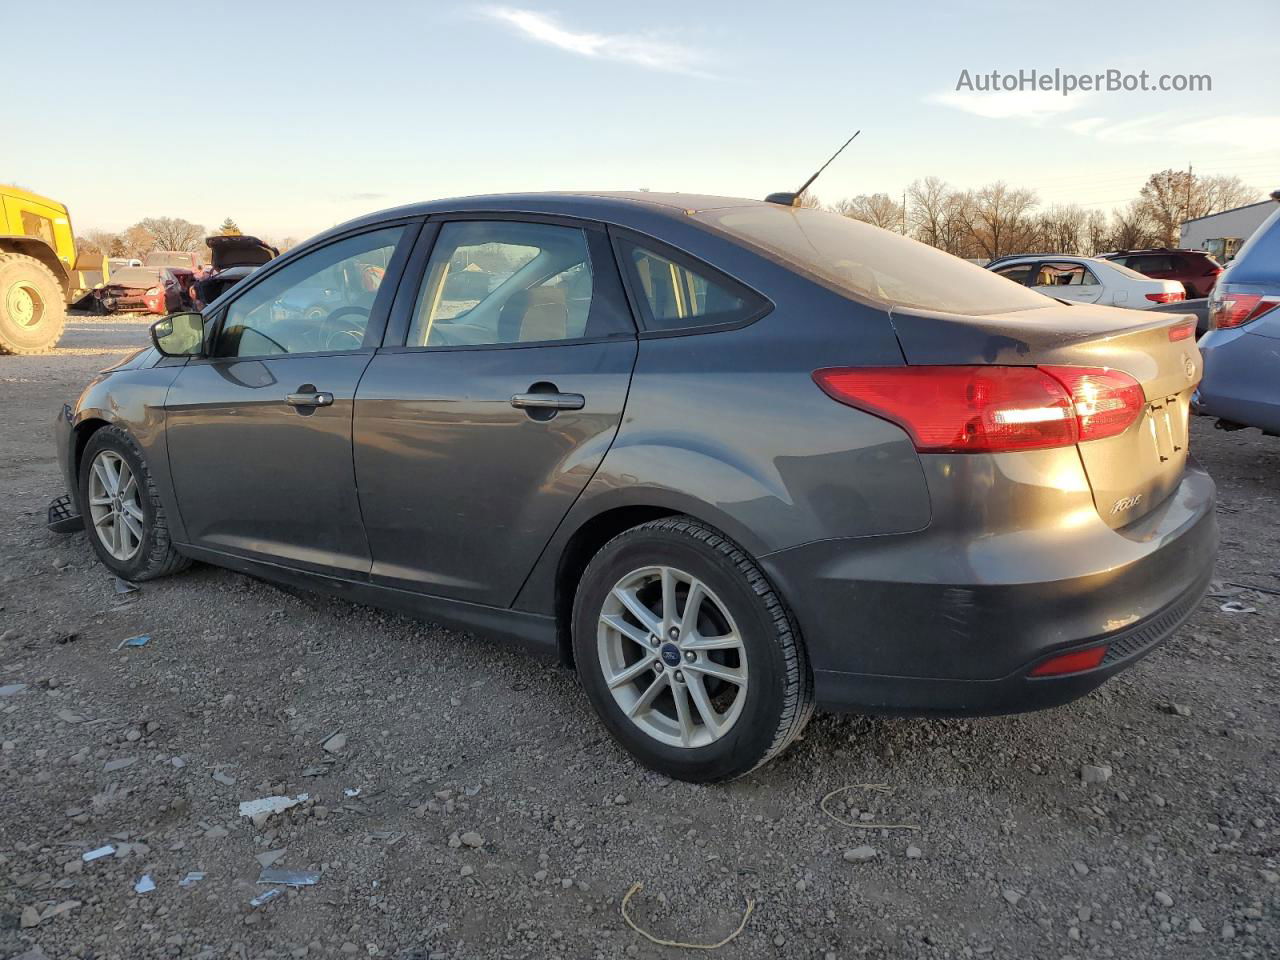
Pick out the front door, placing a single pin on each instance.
(259, 432)
(478, 428)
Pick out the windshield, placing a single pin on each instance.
(161, 258)
(872, 263)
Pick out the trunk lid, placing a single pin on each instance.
(238, 251)
(1130, 473)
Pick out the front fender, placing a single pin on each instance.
(131, 398)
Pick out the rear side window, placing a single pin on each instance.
(680, 293)
(870, 263)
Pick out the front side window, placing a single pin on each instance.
(492, 282)
(34, 225)
(318, 303)
(1017, 273)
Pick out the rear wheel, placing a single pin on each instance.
(122, 512)
(32, 311)
(692, 661)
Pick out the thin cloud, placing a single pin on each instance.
(1034, 105)
(638, 49)
(1241, 132)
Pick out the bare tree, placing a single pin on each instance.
(808, 199)
(105, 242)
(1060, 229)
(1132, 227)
(930, 204)
(137, 241)
(1215, 194)
(1097, 233)
(877, 209)
(998, 219)
(174, 233)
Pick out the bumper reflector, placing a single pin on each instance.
(1072, 662)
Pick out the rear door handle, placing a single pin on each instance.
(309, 399)
(549, 401)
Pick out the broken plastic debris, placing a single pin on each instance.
(145, 885)
(139, 641)
(10, 689)
(191, 879)
(1235, 606)
(124, 586)
(269, 857)
(269, 805)
(101, 852)
(290, 878)
(351, 792)
(266, 895)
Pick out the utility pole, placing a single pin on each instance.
(1190, 177)
(904, 213)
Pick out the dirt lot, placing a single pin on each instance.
(495, 818)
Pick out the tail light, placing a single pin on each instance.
(1182, 331)
(990, 409)
(1229, 310)
(1106, 402)
(1169, 296)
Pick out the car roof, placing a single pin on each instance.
(617, 207)
(1037, 257)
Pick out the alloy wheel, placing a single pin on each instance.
(115, 505)
(672, 657)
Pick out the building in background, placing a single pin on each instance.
(1221, 234)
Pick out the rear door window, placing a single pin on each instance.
(1018, 273)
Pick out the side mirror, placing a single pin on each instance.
(179, 335)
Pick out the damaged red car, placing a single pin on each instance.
(156, 290)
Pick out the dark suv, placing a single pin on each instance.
(1194, 269)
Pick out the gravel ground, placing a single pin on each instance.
(496, 819)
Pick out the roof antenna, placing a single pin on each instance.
(789, 199)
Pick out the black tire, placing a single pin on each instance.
(40, 329)
(156, 556)
(779, 693)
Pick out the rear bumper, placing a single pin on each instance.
(1240, 373)
(889, 629)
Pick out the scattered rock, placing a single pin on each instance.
(914, 852)
(471, 839)
(1195, 926)
(1090, 773)
(111, 766)
(859, 854)
(1163, 899)
(1011, 895)
(1177, 709)
(335, 744)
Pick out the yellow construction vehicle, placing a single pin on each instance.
(39, 271)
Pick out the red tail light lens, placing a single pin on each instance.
(1072, 662)
(1236, 309)
(1182, 331)
(990, 409)
(1169, 297)
(1106, 401)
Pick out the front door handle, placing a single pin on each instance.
(549, 401)
(318, 399)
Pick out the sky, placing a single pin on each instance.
(289, 117)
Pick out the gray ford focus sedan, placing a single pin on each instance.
(732, 459)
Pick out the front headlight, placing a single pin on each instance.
(154, 291)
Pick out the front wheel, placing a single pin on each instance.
(122, 512)
(691, 659)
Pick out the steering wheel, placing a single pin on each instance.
(348, 337)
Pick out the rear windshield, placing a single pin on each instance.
(136, 276)
(160, 258)
(870, 262)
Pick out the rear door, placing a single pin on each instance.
(498, 391)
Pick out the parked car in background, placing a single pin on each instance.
(157, 290)
(231, 260)
(1196, 270)
(732, 459)
(1087, 280)
(119, 263)
(1242, 348)
(179, 259)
